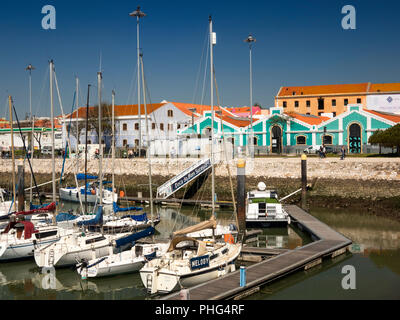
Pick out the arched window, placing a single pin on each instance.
(300, 140)
(327, 139)
(255, 141)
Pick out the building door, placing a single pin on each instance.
(355, 138)
(276, 141)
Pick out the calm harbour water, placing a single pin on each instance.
(375, 256)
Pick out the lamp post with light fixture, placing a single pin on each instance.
(138, 14)
(250, 40)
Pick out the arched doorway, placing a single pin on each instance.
(355, 138)
(276, 139)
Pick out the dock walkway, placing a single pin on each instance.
(327, 243)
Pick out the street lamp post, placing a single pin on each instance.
(138, 14)
(250, 39)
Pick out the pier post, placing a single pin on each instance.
(21, 191)
(304, 182)
(241, 195)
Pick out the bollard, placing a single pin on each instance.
(242, 276)
(184, 294)
(304, 182)
(241, 195)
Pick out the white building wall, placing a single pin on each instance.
(384, 102)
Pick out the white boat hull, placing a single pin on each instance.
(164, 280)
(72, 195)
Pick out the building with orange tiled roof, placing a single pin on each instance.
(280, 130)
(319, 99)
(291, 131)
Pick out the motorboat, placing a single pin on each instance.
(263, 208)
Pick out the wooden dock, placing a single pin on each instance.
(328, 243)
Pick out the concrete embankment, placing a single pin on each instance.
(368, 184)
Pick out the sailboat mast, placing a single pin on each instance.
(77, 124)
(99, 78)
(30, 68)
(212, 42)
(113, 141)
(12, 151)
(52, 130)
(148, 141)
(86, 136)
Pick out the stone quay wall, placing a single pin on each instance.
(363, 169)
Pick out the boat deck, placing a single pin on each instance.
(328, 243)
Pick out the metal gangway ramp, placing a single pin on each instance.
(183, 178)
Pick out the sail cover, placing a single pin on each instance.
(119, 209)
(81, 176)
(137, 217)
(98, 219)
(48, 208)
(64, 216)
(134, 237)
(212, 223)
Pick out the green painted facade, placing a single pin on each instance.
(351, 129)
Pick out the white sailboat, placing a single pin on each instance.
(191, 261)
(134, 259)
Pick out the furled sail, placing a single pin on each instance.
(98, 219)
(116, 208)
(134, 237)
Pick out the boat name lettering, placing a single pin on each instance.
(199, 262)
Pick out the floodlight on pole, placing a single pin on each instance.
(250, 40)
(138, 14)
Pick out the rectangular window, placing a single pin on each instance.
(321, 105)
(125, 142)
(178, 126)
(333, 102)
(346, 102)
(124, 127)
(136, 126)
(153, 126)
(296, 104)
(284, 104)
(334, 114)
(319, 113)
(358, 100)
(162, 126)
(308, 103)
(170, 113)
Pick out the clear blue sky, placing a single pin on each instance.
(298, 43)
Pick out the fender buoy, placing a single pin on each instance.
(121, 194)
(93, 192)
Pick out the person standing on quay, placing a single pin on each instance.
(343, 151)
